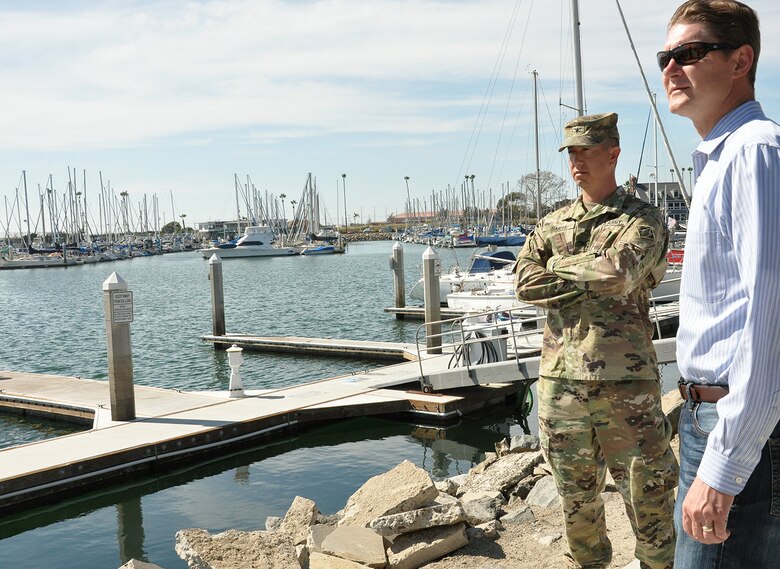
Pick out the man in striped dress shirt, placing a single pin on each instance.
(728, 343)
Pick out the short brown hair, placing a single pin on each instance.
(728, 20)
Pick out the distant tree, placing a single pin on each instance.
(513, 207)
(552, 191)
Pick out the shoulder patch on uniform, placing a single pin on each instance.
(647, 233)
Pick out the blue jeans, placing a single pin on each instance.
(754, 518)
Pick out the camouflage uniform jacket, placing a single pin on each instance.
(593, 270)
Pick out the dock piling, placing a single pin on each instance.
(235, 359)
(431, 272)
(397, 264)
(118, 306)
(217, 297)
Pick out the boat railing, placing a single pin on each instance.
(478, 341)
(665, 305)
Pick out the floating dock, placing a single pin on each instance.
(418, 312)
(390, 351)
(173, 426)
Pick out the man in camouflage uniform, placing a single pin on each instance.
(591, 264)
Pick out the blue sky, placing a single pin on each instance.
(178, 96)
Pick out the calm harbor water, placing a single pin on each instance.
(53, 323)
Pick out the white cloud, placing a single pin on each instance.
(403, 74)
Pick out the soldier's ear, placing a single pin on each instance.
(614, 152)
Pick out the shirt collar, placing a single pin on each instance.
(730, 122)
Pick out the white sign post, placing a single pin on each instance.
(118, 307)
(121, 306)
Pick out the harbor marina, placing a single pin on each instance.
(257, 476)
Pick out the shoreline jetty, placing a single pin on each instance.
(502, 514)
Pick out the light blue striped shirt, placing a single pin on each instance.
(730, 292)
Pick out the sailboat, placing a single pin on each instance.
(308, 234)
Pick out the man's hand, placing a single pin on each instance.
(706, 508)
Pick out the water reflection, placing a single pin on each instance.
(130, 529)
(326, 464)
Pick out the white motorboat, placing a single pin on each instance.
(37, 261)
(492, 297)
(257, 241)
(321, 250)
(486, 269)
(500, 294)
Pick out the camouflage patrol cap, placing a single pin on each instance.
(590, 130)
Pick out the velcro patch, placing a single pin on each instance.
(647, 233)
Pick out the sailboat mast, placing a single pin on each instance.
(686, 196)
(27, 211)
(655, 157)
(238, 206)
(575, 15)
(536, 138)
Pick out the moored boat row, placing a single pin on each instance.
(260, 241)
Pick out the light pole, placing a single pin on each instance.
(466, 201)
(183, 215)
(124, 212)
(655, 188)
(408, 205)
(474, 200)
(284, 215)
(344, 185)
(690, 180)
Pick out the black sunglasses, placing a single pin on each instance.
(690, 52)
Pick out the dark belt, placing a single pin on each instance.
(701, 393)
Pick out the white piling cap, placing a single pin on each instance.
(114, 282)
(429, 254)
(214, 259)
(398, 245)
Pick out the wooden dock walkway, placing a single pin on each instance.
(418, 312)
(390, 351)
(175, 426)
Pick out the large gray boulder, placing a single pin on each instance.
(544, 493)
(410, 550)
(298, 519)
(405, 487)
(482, 507)
(236, 550)
(421, 518)
(357, 544)
(137, 564)
(323, 561)
(502, 474)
